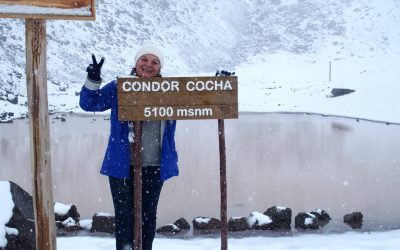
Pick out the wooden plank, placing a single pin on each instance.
(49, 16)
(66, 4)
(139, 113)
(178, 85)
(174, 99)
(36, 77)
(48, 9)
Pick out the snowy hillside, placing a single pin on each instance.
(280, 49)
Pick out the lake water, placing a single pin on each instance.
(298, 161)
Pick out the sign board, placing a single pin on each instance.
(177, 98)
(48, 9)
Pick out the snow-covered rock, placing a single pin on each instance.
(259, 221)
(85, 224)
(169, 229)
(17, 227)
(281, 217)
(312, 220)
(63, 212)
(322, 215)
(180, 225)
(206, 223)
(306, 221)
(236, 224)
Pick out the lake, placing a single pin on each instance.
(300, 161)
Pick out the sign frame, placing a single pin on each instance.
(47, 9)
(177, 98)
(35, 13)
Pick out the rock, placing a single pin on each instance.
(259, 221)
(354, 220)
(63, 212)
(175, 228)
(70, 225)
(21, 226)
(236, 224)
(6, 117)
(339, 92)
(67, 225)
(59, 225)
(182, 224)
(313, 220)
(170, 229)
(205, 223)
(281, 217)
(72, 228)
(67, 217)
(306, 221)
(12, 98)
(60, 117)
(85, 224)
(323, 217)
(12, 239)
(102, 222)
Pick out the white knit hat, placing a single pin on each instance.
(150, 49)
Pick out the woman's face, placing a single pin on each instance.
(148, 65)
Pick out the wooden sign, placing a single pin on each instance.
(177, 98)
(48, 9)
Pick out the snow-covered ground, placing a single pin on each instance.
(345, 241)
(293, 83)
(362, 240)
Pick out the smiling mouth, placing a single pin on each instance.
(147, 70)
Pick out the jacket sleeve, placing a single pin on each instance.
(93, 98)
(169, 156)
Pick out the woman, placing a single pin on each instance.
(159, 158)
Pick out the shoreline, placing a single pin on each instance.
(105, 115)
(197, 234)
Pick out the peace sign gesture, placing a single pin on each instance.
(94, 69)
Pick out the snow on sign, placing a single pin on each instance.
(177, 98)
(48, 9)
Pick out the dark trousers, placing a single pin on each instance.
(122, 195)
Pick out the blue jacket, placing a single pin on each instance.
(117, 157)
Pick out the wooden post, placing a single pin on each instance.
(137, 183)
(330, 71)
(222, 160)
(36, 77)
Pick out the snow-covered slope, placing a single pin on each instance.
(281, 49)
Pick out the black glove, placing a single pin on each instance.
(94, 69)
(224, 73)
